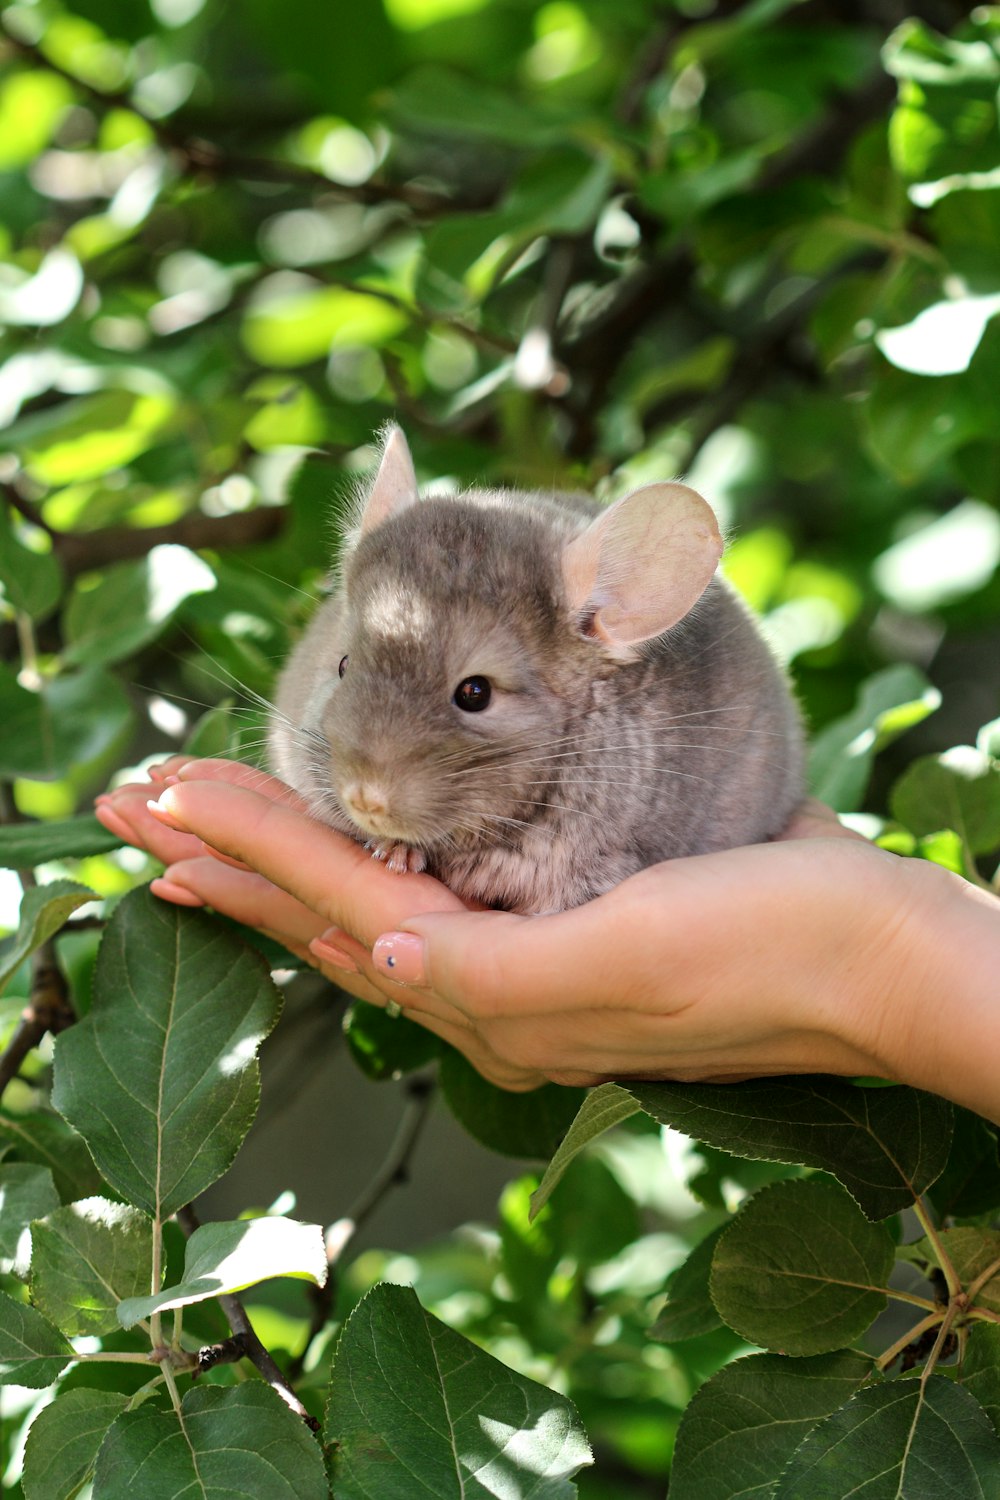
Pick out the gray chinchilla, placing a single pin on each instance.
(532, 697)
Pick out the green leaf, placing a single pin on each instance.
(85, 1258)
(384, 1046)
(31, 581)
(27, 1192)
(800, 1269)
(745, 1423)
(416, 1410)
(44, 909)
(131, 604)
(970, 1182)
(959, 790)
(603, 1108)
(161, 1078)
(70, 722)
(242, 1441)
(86, 437)
(900, 1439)
(527, 1125)
(690, 1311)
(979, 1372)
(32, 1352)
(886, 1145)
(49, 1141)
(24, 845)
(64, 1440)
(841, 756)
(222, 1258)
(298, 328)
(339, 65)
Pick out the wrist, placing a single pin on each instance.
(929, 1015)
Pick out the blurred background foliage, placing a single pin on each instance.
(754, 243)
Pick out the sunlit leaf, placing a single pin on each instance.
(602, 1108)
(85, 1258)
(44, 910)
(223, 1258)
(416, 1410)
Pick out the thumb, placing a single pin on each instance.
(457, 955)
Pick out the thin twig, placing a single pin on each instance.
(250, 1344)
(48, 1009)
(393, 1171)
(951, 1276)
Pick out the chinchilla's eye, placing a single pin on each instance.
(343, 666)
(473, 694)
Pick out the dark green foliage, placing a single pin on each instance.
(576, 245)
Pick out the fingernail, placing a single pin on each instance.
(164, 816)
(333, 956)
(400, 956)
(179, 895)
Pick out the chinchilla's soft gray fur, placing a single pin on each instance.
(604, 748)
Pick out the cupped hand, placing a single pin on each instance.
(709, 968)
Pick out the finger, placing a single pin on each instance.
(323, 869)
(125, 814)
(494, 1068)
(235, 773)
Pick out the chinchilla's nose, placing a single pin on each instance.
(366, 797)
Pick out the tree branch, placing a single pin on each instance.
(245, 1339)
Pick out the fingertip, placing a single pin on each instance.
(177, 895)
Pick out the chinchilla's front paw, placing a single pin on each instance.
(399, 858)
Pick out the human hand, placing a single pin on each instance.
(715, 967)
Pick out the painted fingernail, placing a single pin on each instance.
(179, 895)
(400, 956)
(164, 816)
(336, 957)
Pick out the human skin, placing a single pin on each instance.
(815, 953)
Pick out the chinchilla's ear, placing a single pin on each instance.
(641, 565)
(394, 487)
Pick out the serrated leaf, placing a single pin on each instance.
(32, 1352)
(26, 1192)
(800, 1269)
(900, 1439)
(841, 754)
(524, 1125)
(959, 790)
(131, 604)
(85, 1258)
(416, 1410)
(979, 1371)
(49, 1141)
(690, 1311)
(886, 1145)
(242, 1441)
(24, 845)
(221, 1258)
(71, 721)
(64, 1440)
(602, 1108)
(745, 1423)
(161, 1078)
(44, 909)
